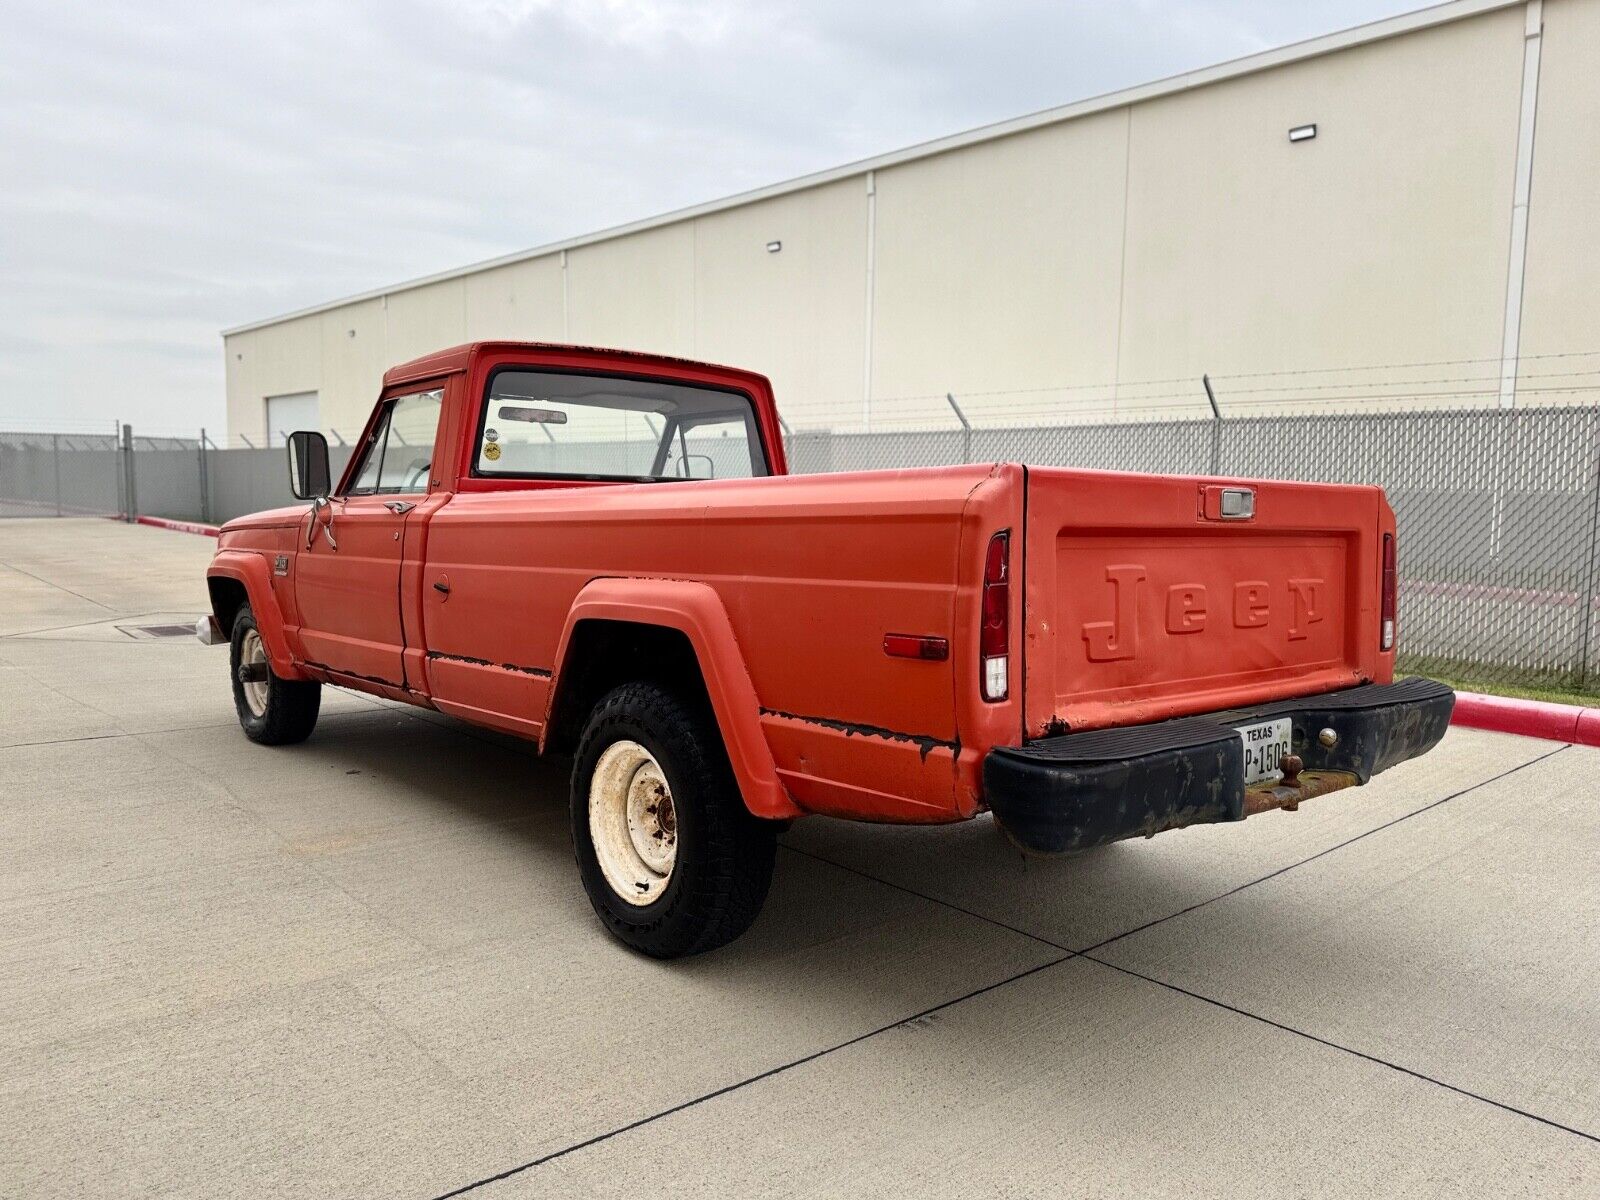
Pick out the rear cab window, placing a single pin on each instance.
(541, 424)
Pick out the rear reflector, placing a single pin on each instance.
(994, 638)
(1387, 611)
(909, 645)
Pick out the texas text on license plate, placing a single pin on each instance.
(1265, 744)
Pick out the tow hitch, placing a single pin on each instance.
(1296, 785)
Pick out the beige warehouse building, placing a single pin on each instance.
(1400, 213)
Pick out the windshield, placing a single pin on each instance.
(540, 424)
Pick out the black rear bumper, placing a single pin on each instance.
(1083, 789)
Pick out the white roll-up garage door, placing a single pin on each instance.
(285, 414)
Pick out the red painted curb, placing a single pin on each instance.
(180, 526)
(1530, 718)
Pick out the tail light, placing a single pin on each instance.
(1386, 613)
(994, 638)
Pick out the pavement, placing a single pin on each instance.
(364, 966)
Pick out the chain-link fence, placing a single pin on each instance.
(1499, 509)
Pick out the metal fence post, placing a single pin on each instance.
(1586, 597)
(55, 456)
(116, 468)
(128, 473)
(1216, 427)
(205, 482)
(966, 428)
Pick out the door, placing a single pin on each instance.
(348, 577)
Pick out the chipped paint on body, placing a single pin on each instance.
(925, 744)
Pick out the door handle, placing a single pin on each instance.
(442, 588)
(399, 507)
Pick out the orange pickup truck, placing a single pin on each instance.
(602, 552)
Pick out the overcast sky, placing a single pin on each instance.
(167, 170)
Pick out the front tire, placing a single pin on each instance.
(672, 861)
(272, 711)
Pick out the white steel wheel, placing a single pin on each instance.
(632, 822)
(253, 672)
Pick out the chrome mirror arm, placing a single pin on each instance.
(317, 505)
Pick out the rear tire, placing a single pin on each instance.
(672, 860)
(272, 711)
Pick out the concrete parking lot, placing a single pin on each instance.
(364, 966)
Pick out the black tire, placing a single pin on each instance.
(724, 855)
(290, 712)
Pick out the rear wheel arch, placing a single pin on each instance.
(603, 654)
(675, 633)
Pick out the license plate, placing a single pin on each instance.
(1265, 744)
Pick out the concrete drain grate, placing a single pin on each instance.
(157, 631)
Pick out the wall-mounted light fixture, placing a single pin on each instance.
(1302, 133)
(774, 247)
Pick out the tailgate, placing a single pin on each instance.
(1143, 601)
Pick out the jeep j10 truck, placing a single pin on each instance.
(601, 552)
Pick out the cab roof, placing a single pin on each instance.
(459, 358)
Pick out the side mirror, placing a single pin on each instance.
(308, 465)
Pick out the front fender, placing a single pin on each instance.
(252, 570)
(696, 611)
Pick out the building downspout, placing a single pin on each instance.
(1517, 263)
(566, 307)
(872, 255)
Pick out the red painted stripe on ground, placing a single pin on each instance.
(1530, 718)
(180, 526)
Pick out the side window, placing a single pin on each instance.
(399, 456)
(367, 478)
(413, 425)
(716, 448)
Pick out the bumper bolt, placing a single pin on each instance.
(1328, 737)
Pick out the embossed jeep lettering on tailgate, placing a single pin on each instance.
(1186, 612)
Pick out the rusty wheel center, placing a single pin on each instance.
(633, 822)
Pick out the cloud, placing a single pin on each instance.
(168, 169)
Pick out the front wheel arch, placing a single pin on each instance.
(250, 570)
(228, 596)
